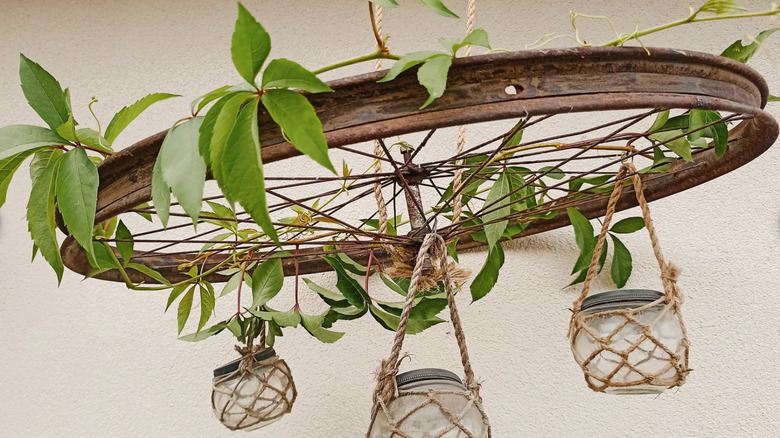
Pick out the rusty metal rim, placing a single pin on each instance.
(749, 139)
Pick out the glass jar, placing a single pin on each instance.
(648, 367)
(251, 399)
(417, 409)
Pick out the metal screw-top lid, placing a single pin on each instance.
(233, 366)
(629, 297)
(422, 374)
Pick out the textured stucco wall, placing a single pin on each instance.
(94, 359)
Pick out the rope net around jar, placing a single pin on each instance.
(552, 167)
(626, 359)
(434, 249)
(256, 394)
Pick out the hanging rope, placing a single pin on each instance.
(376, 13)
(457, 204)
(672, 301)
(435, 248)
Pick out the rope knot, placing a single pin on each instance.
(670, 273)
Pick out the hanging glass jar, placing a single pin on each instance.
(630, 341)
(631, 338)
(253, 392)
(428, 401)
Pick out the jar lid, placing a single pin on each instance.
(233, 366)
(422, 374)
(622, 296)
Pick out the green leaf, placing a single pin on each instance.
(408, 61)
(207, 303)
(297, 118)
(385, 3)
(283, 73)
(68, 129)
(718, 131)
(743, 53)
(517, 137)
(488, 275)
(452, 250)
(313, 324)
(175, 293)
(603, 257)
(773, 98)
(351, 265)
(250, 46)
(333, 299)
(204, 334)
(393, 285)
(43, 93)
(720, 7)
(721, 136)
(576, 184)
(553, 172)
(104, 259)
(15, 139)
(628, 225)
(660, 121)
(242, 167)
(451, 44)
(161, 193)
(583, 230)
(41, 215)
(221, 216)
(231, 284)
(267, 281)
(183, 169)
(146, 216)
(149, 272)
(583, 234)
(621, 263)
(41, 161)
(125, 248)
(8, 167)
(679, 145)
(126, 115)
(697, 121)
(391, 322)
(290, 318)
(77, 187)
(216, 128)
(438, 7)
(199, 103)
(347, 285)
(90, 137)
(433, 76)
(478, 37)
(185, 307)
(386, 320)
(500, 208)
(423, 309)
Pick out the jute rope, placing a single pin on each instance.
(672, 302)
(457, 181)
(435, 248)
(377, 15)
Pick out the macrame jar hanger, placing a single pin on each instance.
(669, 272)
(435, 248)
(671, 301)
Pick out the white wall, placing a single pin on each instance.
(94, 359)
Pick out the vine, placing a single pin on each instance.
(225, 144)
